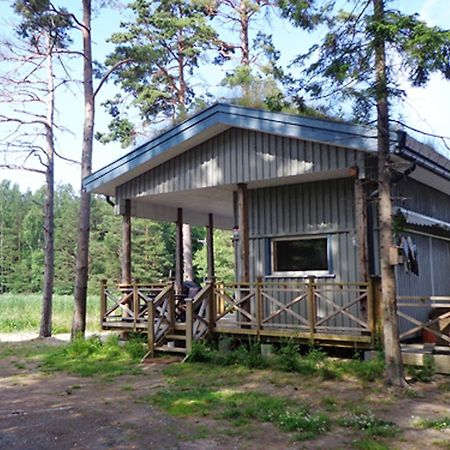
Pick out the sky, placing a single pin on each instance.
(426, 108)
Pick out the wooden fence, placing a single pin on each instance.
(435, 317)
(312, 310)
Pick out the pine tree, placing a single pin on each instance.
(356, 62)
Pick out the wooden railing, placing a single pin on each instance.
(307, 309)
(333, 308)
(161, 316)
(126, 303)
(199, 315)
(407, 307)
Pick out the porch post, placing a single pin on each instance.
(126, 243)
(361, 228)
(210, 247)
(244, 246)
(179, 253)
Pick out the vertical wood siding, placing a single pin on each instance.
(237, 156)
(433, 253)
(415, 196)
(319, 208)
(434, 265)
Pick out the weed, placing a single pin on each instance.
(200, 352)
(437, 424)
(370, 424)
(367, 371)
(241, 407)
(288, 359)
(370, 444)
(305, 424)
(441, 443)
(423, 373)
(330, 403)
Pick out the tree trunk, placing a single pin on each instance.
(244, 19)
(82, 264)
(188, 268)
(126, 244)
(394, 364)
(49, 244)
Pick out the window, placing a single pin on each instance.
(301, 256)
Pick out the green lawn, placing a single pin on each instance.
(21, 312)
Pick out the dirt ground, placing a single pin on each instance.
(61, 411)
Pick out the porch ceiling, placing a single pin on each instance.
(198, 203)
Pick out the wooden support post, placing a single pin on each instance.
(172, 308)
(244, 245)
(311, 306)
(126, 243)
(361, 229)
(135, 305)
(189, 325)
(179, 253)
(259, 305)
(371, 310)
(210, 247)
(211, 307)
(103, 287)
(151, 329)
(377, 305)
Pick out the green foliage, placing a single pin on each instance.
(94, 357)
(342, 67)
(21, 242)
(223, 258)
(155, 57)
(38, 17)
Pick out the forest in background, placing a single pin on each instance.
(153, 243)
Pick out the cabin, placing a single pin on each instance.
(300, 197)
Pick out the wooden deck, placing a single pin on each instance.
(335, 314)
(340, 314)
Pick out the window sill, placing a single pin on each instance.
(316, 274)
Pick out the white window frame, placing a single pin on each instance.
(301, 273)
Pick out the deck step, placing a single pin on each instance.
(175, 337)
(169, 349)
(180, 327)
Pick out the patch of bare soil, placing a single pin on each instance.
(61, 411)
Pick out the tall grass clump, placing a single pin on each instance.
(95, 357)
(22, 312)
(287, 358)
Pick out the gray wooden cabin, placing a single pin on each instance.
(300, 195)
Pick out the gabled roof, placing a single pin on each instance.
(216, 119)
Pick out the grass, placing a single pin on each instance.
(288, 359)
(241, 408)
(92, 357)
(21, 312)
(440, 424)
(370, 444)
(370, 424)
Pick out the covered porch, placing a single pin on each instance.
(297, 194)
